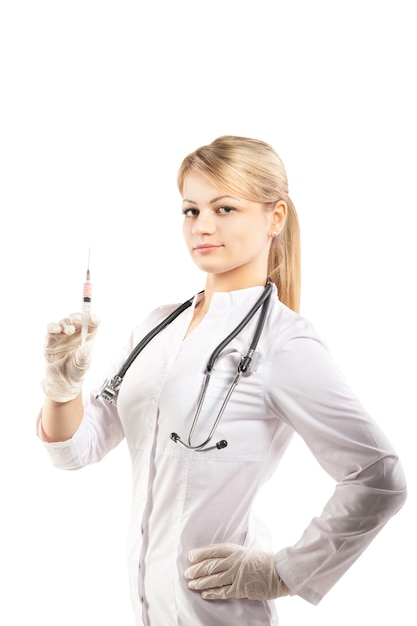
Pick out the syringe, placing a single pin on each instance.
(86, 304)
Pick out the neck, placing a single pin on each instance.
(232, 281)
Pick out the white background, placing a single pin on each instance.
(100, 101)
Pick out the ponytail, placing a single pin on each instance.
(284, 262)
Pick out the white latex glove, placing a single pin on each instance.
(66, 360)
(227, 570)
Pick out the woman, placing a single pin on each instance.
(200, 454)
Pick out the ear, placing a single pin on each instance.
(278, 217)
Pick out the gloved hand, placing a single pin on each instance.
(66, 360)
(227, 570)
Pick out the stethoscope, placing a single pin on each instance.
(111, 387)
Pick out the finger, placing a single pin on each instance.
(220, 593)
(64, 326)
(82, 357)
(206, 568)
(224, 579)
(75, 319)
(212, 551)
(204, 582)
(53, 328)
(67, 326)
(94, 321)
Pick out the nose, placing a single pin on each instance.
(204, 223)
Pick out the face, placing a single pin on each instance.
(228, 237)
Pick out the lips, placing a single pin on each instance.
(207, 247)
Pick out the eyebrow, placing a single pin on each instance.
(214, 199)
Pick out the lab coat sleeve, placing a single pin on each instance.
(308, 392)
(99, 432)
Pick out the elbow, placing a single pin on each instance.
(382, 484)
(394, 488)
(392, 477)
(395, 480)
(388, 483)
(385, 473)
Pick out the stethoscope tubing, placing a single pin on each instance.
(242, 367)
(265, 296)
(111, 387)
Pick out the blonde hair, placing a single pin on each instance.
(252, 169)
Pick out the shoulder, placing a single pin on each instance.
(155, 317)
(284, 325)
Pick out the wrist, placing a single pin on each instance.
(60, 391)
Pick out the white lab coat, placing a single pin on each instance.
(184, 499)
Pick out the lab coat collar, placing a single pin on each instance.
(223, 301)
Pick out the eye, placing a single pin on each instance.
(225, 210)
(190, 212)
